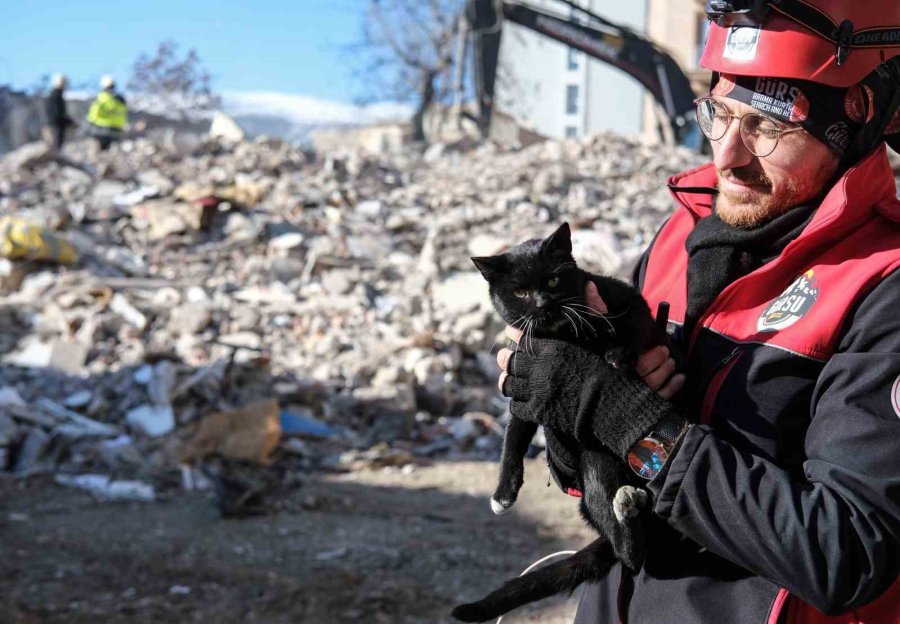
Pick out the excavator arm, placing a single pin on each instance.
(597, 37)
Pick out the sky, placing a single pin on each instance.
(294, 47)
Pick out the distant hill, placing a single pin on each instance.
(294, 117)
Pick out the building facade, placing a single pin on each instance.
(679, 27)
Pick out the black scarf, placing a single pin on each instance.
(719, 254)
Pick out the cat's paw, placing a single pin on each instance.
(500, 507)
(628, 502)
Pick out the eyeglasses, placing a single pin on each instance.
(759, 133)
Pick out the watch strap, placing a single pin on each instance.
(649, 454)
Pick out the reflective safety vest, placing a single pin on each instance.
(108, 111)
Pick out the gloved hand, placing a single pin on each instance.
(568, 388)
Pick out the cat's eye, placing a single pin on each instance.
(553, 282)
(521, 293)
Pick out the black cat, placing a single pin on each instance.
(537, 288)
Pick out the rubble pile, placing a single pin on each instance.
(335, 292)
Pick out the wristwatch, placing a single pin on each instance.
(649, 454)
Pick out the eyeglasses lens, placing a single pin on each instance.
(759, 134)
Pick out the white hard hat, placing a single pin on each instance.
(59, 81)
(107, 82)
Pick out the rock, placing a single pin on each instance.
(102, 199)
(224, 127)
(282, 246)
(32, 452)
(26, 156)
(63, 355)
(78, 399)
(462, 292)
(166, 217)
(156, 179)
(105, 488)
(597, 250)
(121, 306)
(190, 318)
(487, 245)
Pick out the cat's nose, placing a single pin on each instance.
(539, 301)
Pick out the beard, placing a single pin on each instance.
(750, 208)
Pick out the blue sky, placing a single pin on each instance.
(298, 46)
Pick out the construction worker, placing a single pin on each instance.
(57, 117)
(772, 462)
(108, 114)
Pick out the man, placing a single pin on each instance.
(773, 469)
(108, 114)
(57, 117)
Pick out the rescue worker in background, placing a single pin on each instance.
(772, 462)
(108, 114)
(57, 117)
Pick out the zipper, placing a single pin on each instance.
(716, 380)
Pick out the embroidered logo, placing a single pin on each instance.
(740, 43)
(791, 305)
(895, 396)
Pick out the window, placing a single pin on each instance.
(573, 58)
(572, 99)
(571, 132)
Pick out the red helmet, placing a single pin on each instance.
(832, 42)
(838, 43)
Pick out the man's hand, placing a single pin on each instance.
(573, 390)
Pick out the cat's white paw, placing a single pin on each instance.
(498, 508)
(628, 502)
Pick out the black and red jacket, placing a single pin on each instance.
(783, 504)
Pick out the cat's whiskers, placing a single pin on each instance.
(587, 309)
(574, 326)
(581, 319)
(513, 324)
(529, 337)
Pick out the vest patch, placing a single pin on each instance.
(791, 305)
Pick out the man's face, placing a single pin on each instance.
(754, 190)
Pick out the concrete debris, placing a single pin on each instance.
(105, 488)
(248, 303)
(225, 127)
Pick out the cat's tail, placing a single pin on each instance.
(590, 563)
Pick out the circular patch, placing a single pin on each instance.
(895, 396)
(792, 305)
(800, 108)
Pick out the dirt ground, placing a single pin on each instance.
(372, 546)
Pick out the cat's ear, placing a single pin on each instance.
(490, 265)
(560, 240)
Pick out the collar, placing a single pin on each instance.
(870, 183)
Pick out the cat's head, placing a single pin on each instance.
(532, 282)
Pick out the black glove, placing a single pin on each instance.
(568, 388)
